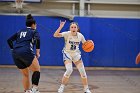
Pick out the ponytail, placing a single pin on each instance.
(30, 20)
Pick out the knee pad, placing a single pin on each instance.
(82, 71)
(69, 70)
(35, 78)
(68, 73)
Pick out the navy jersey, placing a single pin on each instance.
(25, 38)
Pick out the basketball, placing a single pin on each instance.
(88, 46)
(138, 59)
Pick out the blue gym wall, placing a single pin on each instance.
(117, 40)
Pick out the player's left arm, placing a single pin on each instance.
(83, 39)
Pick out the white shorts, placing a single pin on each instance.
(72, 56)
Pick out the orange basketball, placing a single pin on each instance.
(88, 46)
(138, 59)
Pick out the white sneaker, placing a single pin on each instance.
(61, 89)
(87, 90)
(35, 90)
(28, 91)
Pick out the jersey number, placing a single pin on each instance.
(73, 47)
(23, 34)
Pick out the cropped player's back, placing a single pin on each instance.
(21, 45)
(25, 37)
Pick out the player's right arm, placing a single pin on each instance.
(37, 39)
(57, 32)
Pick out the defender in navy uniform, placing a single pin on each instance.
(24, 57)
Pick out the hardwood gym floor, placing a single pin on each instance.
(100, 81)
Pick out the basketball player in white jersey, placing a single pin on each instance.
(71, 53)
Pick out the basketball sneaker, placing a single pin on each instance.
(87, 90)
(61, 89)
(35, 90)
(28, 91)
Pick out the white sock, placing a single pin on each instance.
(27, 90)
(62, 85)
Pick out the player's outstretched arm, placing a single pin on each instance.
(57, 32)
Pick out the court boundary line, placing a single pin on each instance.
(87, 68)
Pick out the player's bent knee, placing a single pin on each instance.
(25, 73)
(35, 67)
(68, 72)
(82, 72)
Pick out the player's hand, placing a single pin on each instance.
(90, 41)
(11, 50)
(62, 23)
(37, 55)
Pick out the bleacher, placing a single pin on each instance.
(70, 8)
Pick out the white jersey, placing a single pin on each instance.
(72, 42)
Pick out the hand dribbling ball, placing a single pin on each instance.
(88, 46)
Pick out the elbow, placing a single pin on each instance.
(54, 35)
(8, 41)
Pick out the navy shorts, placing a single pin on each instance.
(22, 59)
